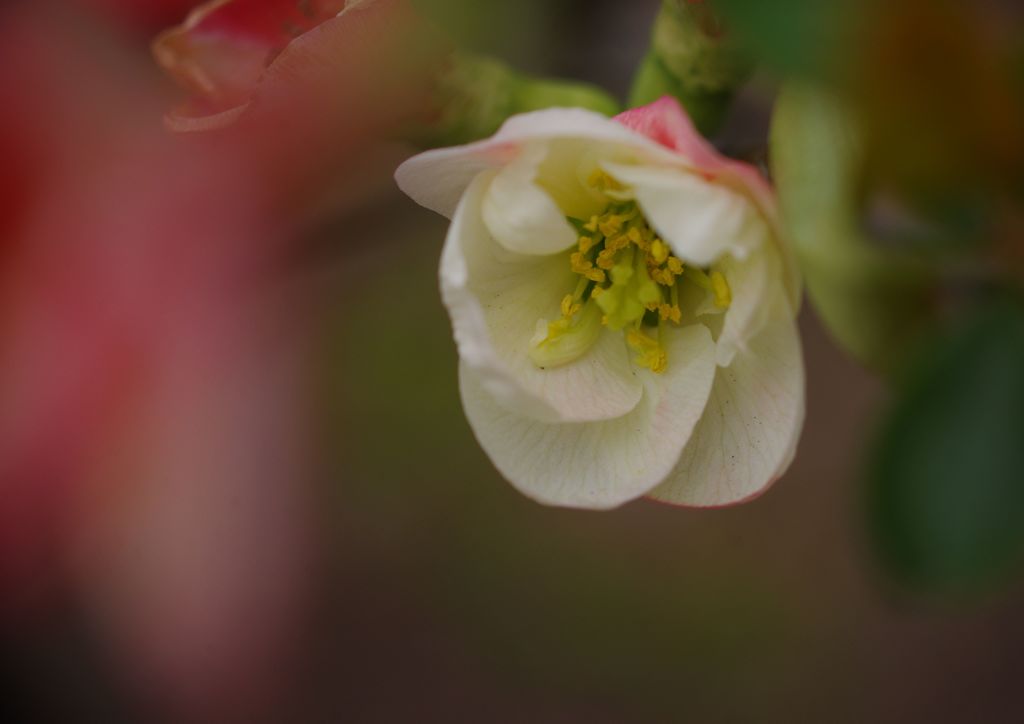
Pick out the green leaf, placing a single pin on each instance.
(872, 298)
(946, 500)
(799, 37)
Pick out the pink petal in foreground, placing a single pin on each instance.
(665, 122)
(224, 46)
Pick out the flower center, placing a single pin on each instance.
(629, 281)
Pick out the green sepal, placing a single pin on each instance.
(692, 60)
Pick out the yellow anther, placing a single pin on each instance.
(606, 259)
(650, 353)
(580, 263)
(616, 243)
(592, 224)
(564, 340)
(586, 243)
(583, 266)
(659, 252)
(720, 288)
(670, 313)
(569, 306)
(611, 224)
(675, 266)
(600, 179)
(664, 277)
(637, 238)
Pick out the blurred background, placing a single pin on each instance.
(238, 484)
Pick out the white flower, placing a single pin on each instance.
(623, 308)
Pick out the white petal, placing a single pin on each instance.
(747, 436)
(755, 284)
(437, 179)
(701, 220)
(495, 298)
(521, 216)
(599, 464)
(564, 173)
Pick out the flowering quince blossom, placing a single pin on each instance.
(623, 305)
(300, 55)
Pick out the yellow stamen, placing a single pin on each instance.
(720, 288)
(611, 225)
(565, 340)
(581, 265)
(600, 180)
(650, 353)
(627, 280)
(606, 259)
(616, 243)
(635, 236)
(659, 251)
(670, 313)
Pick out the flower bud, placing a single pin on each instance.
(692, 59)
(476, 94)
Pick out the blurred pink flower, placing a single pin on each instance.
(143, 16)
(365, 60)
(153, 458)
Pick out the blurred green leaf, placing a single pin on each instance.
(513, 31)
(946, 499)
(872, 298)
(800, 37)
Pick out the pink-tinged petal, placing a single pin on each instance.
(747, 436)
(702, 221)
(151, 430)
(359, 71)
(189, 119)
(224, 46)
(362, 72)
(142, 17)
(436, 179)
(666, 122)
